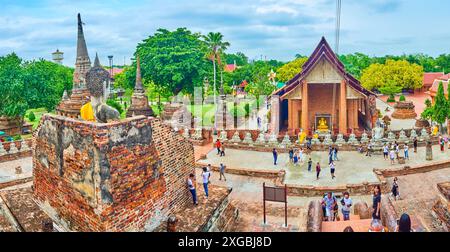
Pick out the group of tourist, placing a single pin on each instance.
(220, 148)
(442, 141)
(206, 180)
(296, 156)
(392, 151)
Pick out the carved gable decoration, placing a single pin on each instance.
(353, 94)
(323, 72)
(294, 94)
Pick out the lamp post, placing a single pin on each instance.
(110, 57)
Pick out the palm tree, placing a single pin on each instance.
(216, 46)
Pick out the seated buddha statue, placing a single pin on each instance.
(322, 125)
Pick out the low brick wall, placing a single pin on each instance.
(15, 182)
(246, 172)
(319, 191)
(22, 152)
(406, 170)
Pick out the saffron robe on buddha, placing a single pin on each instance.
(87, 113)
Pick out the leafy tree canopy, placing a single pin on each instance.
(12, 89)
(291, 69)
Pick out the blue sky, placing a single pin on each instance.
(276, 29)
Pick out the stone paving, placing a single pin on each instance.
(352, 167)
(8, 172)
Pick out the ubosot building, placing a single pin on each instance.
(324, 97)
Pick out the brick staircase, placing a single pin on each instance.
(358, 224)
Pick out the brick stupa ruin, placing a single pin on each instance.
(70, 106)
(139, 100)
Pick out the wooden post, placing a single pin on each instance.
(264, 201)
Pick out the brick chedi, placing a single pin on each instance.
(80, 95)
(404, 110)
(121, 176)
(139, 100)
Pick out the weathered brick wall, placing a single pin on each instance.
(118, 176)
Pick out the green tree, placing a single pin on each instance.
(216, 46)
(45, 83)
(391, 89)
(427, 114)
(173, 60)
(440, 108)
(291, 69)
(12, 89)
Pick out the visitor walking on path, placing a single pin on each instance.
(329, 202)
(415, 144)
(222, 172)
(392, 156)
(332, 169)
(395, 192)
(310, 164)
(369, 150)
(222, 150)
(346, 204)
(335, 152)
(442, 144)
(376, 206)
(218, 145)
(386, 152)
(295, 158)
(397, 149)
(275, 156)
(318, 170)
(291, 156)
(191, 187)
(406, 151)
(330, 157)
(205, 177)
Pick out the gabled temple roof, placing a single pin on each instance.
(322, 51)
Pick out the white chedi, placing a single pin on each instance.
(286, 142)
(365, 138)
(273, 140)
(340, 139)
(236, 139)
(2, 149)
(315, 141)
(353, 140)
(261, 140)
(24, 146)
(248, 138)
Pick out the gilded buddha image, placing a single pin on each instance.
(322, 124)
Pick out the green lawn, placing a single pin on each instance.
(37, 113)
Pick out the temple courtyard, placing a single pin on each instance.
(351, 168)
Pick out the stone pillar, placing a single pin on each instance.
(343, 108)
(290, 115)
(355, 114)
(429, 151)
(305, 112)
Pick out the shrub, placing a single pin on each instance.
(391, 98)
(115, 104)
(247, 109)
(402, 98)
(17, 138)
(31, 116)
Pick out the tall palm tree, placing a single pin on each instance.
(216, 46)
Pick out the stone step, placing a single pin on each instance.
(339, 226)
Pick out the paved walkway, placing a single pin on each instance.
(8, 169)
(352, 167)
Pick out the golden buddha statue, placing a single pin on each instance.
(322, 125)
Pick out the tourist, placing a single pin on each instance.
(209, 168)
(309, 144)
(395, 192)
(222, 172)
(310, 164)
(361, 149)
(348, 230)
(376, 226)
(376, 203)
(291, 156)
(397, 149)
(191, 187)
(300, 155)
(218, 145)
(332, 169)
(330, 158)
(369, 150)
(392, 156)
(442, 143)
(317, 170)
(259, 122)
(296, 158)
(275, 156)
(205, 176)
(329, 201)
(385, 151)
(404, 224)
(346, 204)
(335, 152)
(415, 144)
(406, 151)
(222, 150)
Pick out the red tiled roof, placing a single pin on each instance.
(429, 78)
(230, 68)
(445, 77)
(434, 88)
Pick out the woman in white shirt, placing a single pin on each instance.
(205, 177)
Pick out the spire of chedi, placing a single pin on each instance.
(83, 62)
(139, 100)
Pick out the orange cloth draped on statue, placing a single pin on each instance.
(87, 113)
